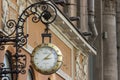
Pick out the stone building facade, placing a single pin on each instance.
(66, 34)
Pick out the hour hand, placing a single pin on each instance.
(47, 57)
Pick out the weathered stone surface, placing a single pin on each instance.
(5, 8)
(81, 67)
(22, 5)
(109, 6)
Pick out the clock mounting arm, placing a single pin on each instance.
(41, 11)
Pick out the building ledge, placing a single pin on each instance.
(66, 27)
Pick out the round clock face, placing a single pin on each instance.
(46, 58)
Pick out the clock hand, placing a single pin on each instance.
(47, 57)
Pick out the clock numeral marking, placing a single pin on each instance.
(59, 61)
(59, 55)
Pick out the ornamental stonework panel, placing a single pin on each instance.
(81, 67)
(5, 10)
(22, 5)
(109, 6)
(9, 11)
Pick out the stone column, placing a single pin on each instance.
(118, 34)
(109, 41)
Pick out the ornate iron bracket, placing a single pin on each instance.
(42, 11)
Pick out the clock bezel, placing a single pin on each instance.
(58, 62)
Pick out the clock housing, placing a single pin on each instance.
(46, 58)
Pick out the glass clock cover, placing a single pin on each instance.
(47, 58)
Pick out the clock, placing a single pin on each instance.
(46, 58)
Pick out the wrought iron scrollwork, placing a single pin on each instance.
(14, 68)
(21, 63)
(42, 11)
(11, 24)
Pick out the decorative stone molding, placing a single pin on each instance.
(22, 5)
(81, 67)
(109, 6)
(15, 7)
(8, 9)
(5, 14)
(11, 4)
(5, 9)
(11, 15)
(64, 75)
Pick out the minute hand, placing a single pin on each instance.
(47, 57)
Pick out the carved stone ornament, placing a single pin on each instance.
(81, 68)
(5, 8)
(5, 15)
(22, 5)
(109, 5)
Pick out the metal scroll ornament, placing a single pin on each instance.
(41, 12)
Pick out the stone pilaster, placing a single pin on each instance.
(109, 42)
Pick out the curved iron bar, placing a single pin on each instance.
(10, 25)
(41, 11)
(45, 17)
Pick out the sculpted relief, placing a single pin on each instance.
(8, 8)
(81, 67)
(109, 5)
(22, 5)
(11, 10)
(5, 9)
(5, 14)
